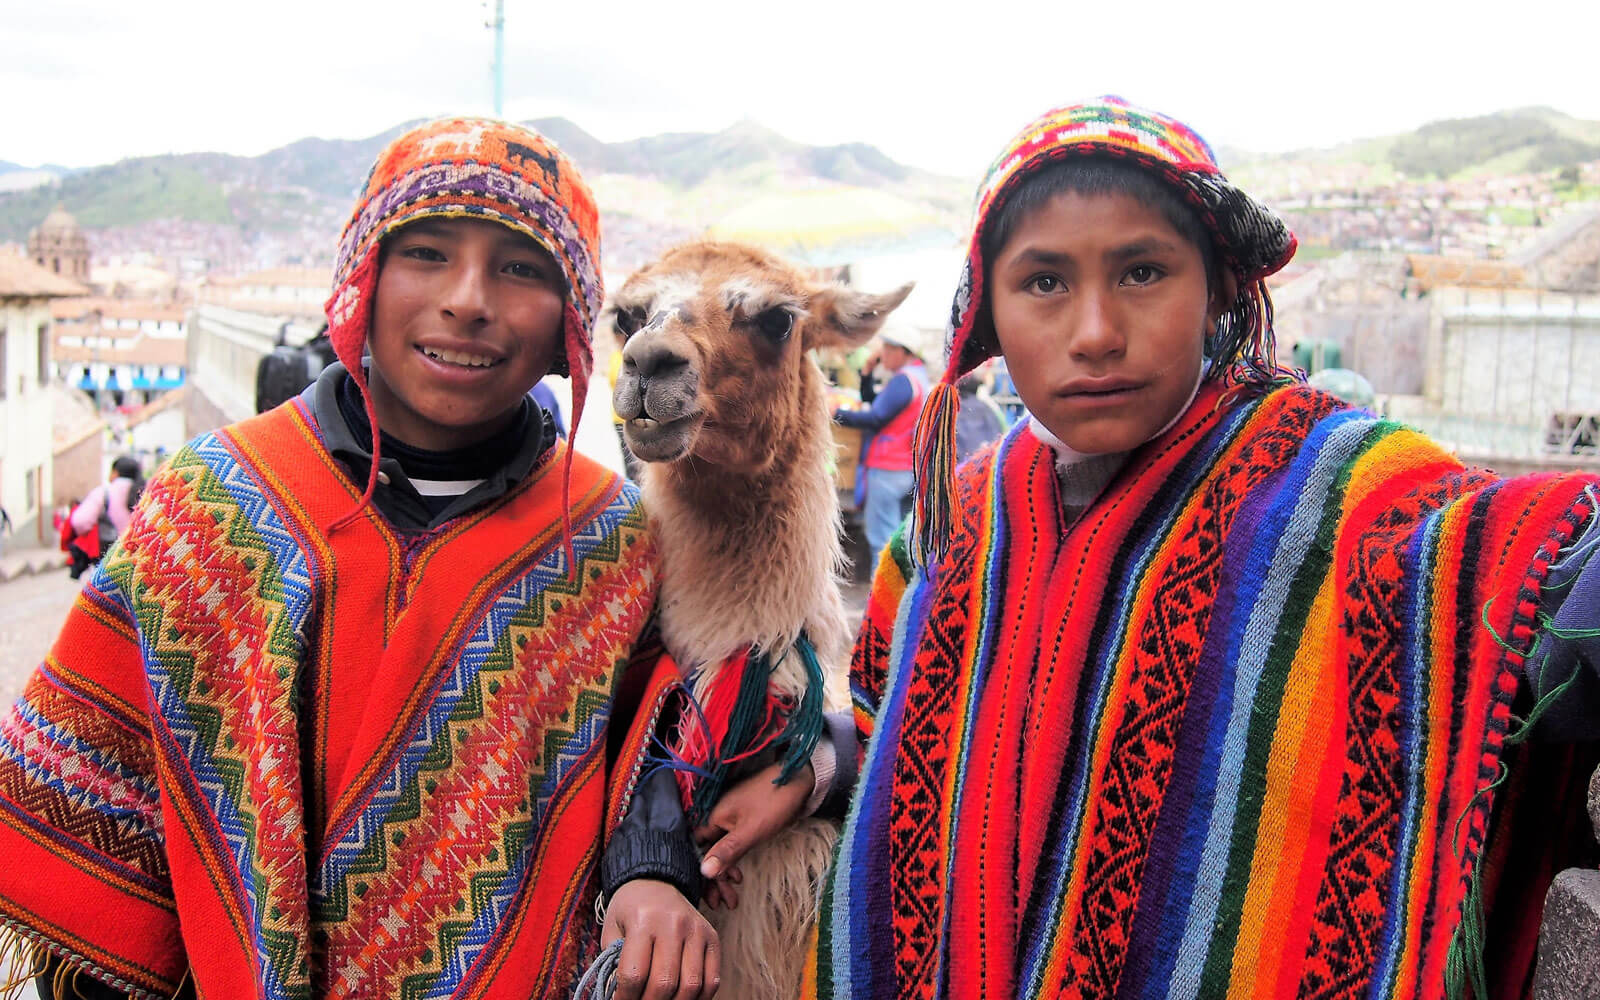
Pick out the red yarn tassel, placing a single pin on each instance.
(701, 733)
(934, 465)
(578, 369)
(349, 318)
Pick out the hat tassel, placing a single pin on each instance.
(934, 470)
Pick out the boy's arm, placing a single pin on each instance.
(753, 809)
(650, 875)
(653, 841)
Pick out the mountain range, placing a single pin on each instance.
(737, 179)
(272, 191)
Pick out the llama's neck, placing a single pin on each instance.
(750, 560)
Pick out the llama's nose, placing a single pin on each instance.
(650, 357)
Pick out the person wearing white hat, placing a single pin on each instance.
(889, 418)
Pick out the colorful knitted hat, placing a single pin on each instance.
(479, 169)
(1250, 239)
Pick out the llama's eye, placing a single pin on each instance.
(629, 321)
(775, 323)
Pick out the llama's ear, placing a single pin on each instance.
(844, 317)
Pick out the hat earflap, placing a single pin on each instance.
(349, 320)
(579, 361)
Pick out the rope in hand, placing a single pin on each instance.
(599, 981)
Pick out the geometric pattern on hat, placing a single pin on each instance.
(1252, 240)
(476, 168)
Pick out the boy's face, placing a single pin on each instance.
(1101, 309)
(467, 317)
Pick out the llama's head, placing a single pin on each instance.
(715, 366)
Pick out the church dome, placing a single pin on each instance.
(59, 222)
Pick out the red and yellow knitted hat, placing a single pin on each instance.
(481, 169)
(1250, 239)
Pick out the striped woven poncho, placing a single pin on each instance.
(1210, 740)
(283, 763)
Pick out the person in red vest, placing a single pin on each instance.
(889, 416)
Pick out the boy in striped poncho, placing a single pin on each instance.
(356, 699)
(1200, 683)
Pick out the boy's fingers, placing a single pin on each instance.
(691, 973)
(724, 853)
(730, 895)
(666, 961)
(710, 832)
(713, 967)
(633, 966)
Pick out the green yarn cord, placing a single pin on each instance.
(794, 743)
(1520, 735)
(1463, 964)
(744, 728)
(804, 727)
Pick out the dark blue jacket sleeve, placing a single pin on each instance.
(895, 397)
(1566, 656)
(653, 840)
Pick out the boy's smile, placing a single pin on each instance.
(1101, 308)
(467, 317)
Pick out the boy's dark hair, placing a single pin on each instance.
(127, 467)
(1090, 176)
(1227, 345)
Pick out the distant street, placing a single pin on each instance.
(32, 609)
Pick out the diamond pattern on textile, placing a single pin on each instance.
(1350, 909)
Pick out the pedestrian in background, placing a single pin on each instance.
(103, 514)
(884, 479)
(979, 420)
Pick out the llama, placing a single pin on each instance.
(727, 412)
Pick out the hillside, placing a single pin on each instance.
(680, 179)
(286, 205)
(1522, 140)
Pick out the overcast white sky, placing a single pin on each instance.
(937, 84)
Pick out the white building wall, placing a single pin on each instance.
(27, 415)
(1516, 357)
(163, 433)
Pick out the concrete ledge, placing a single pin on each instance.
(1569, 966)
(29, 562)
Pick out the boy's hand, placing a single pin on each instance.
(747, 814)
(669, 951)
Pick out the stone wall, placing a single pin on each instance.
(223, 348)
(1569, 963)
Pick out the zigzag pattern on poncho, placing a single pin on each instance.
(345, 773)
(1211, 739)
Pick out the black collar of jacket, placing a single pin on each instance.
(398, 500)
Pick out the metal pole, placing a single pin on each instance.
(499, 26)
